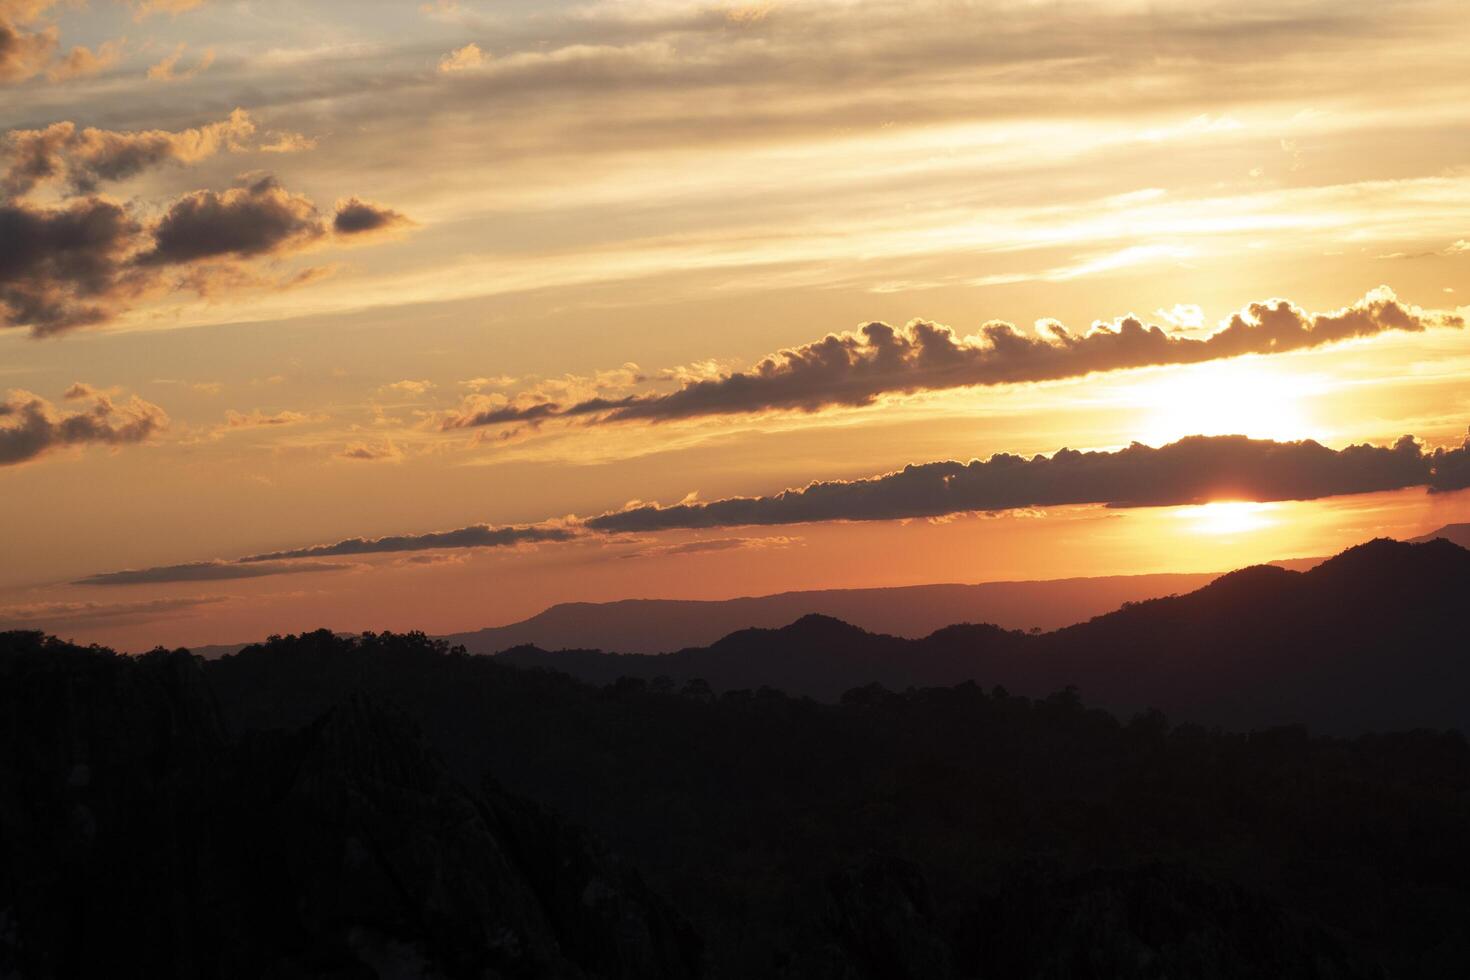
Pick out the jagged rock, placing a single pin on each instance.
(1157, 922)
(604, 916)
(384, 851)
(883, 921)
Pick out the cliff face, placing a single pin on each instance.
(137, 839)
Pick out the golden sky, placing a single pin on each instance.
(440, 313)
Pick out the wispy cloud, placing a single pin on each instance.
(713, 545)
(57, 616)
(167, 69)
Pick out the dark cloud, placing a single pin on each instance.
(208, 571)
(366, 452)
(30, 425)
(66, 267)
(358, 217)
(1192, 470)
(506, 414)
(84, 158)
(476, 536)
(855, 369)
(258, 219)
(85, 261)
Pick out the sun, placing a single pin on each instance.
(1241, 397)
(1229, 517)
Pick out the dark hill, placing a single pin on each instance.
(947, 832)
(276, 813)
(1370, 639)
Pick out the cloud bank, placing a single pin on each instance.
(31, 426)
(856, 369)
(1194, 470)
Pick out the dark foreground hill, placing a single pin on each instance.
(1374, 638)
(363, 806)
(137, 839)
(939, 833)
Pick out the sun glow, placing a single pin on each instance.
(1241, 397)
(1225, 517)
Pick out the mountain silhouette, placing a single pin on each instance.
(1361, 641)
(1456, 533)
(665, 625)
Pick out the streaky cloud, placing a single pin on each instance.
(61, 615)
(208, 571)
(475, 536)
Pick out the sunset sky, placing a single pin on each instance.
(395, 315)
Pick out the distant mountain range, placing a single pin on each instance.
(666, 625)
(1458, 533)
(1371, 639)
